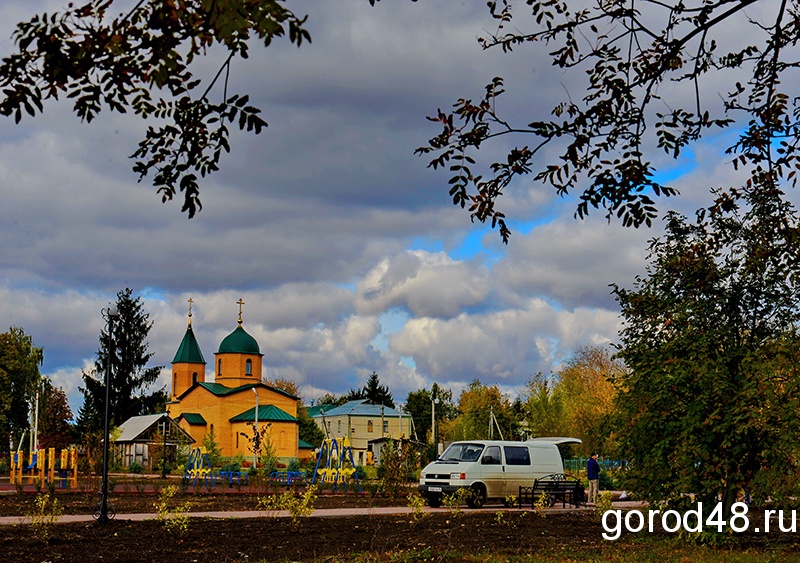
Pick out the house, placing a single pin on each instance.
(155, 433)
(236, 401)
(363, 423)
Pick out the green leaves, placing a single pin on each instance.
(141, 61)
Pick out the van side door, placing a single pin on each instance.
(518, 469)
(492, 472)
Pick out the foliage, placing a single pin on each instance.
(588, 397)
(135, 467)
(419, 405)
(129, 379)
(19, 378)
(373, 392)
(455, 500)
(709, 402)
(298, 505)
(476, 405)
(417, 505)
(142, 61)
(309, 430)
(649, 68)
(46, 512)
(604, 503)
(543, 407)
(212, 448)
(398, 461)
(174, 517)
(55, 430)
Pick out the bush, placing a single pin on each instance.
(135, 467)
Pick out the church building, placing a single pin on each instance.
(235, 401)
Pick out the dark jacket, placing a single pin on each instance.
(592, 469)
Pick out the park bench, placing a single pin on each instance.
(240, 477)
(557, 486)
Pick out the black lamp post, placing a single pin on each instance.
(109, 314)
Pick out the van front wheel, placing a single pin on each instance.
(478, 498)
(434, 502)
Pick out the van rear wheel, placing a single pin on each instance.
(478, 498)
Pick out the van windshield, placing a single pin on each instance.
(462, 452)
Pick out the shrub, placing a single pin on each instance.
(135, 467)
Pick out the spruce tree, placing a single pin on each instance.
(130, 379)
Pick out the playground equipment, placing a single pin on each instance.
(339, 466)
(199, 467)
(41, 468)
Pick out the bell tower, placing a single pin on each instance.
(188, 365)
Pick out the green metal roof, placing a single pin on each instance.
(265, 413)
(303, 445)
(194, 419)
(221, 390)
(239, 342)
(314, 410)
(189, 350)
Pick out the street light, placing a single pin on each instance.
(109, 314)
(256, 439)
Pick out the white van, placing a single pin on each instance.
(492, 469)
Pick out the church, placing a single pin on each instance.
(236, 400)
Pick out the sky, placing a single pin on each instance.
(343, 244)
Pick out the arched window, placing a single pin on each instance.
(174, 382)
(194, 378)
(219, 367)
(248, 367)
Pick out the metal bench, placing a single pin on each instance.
(551, 488)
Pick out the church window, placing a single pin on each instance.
(194, 378)
(219, 367)
(248, 367)
(174, 382)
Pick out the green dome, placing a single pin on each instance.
(239, 342)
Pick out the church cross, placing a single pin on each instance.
(240, 302)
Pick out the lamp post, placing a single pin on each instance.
(109, 314)
(434, 402)
(256, 438)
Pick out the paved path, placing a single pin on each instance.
(318, 513)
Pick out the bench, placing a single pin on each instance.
(554, 487)
(230, 476)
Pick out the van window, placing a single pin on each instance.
(517, 455)
(492, 456)
(462, 452)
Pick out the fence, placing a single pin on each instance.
(579, 464)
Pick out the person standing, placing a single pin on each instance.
(593, 474)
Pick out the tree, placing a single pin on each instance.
(376, 393)
(656, 80)
(543, 407)
(130, 379)
(708, 405)
(484, 412)
(419, 406)
(55, 430)
(19, 379)
(584, 384)
(142, 61)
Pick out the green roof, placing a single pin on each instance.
(265, 413)
(303, 445)
(189, 350)
(194, 419)
(239, 342)
(221, 390)
(314, 410)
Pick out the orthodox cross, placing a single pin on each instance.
(240, 302)
(190, 310)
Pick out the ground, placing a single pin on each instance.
(444, 535)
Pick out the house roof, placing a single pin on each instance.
(361, 407)
(303, 445)
(193, 418)
(313, 410)
(189, 350)
(222, 391)
(137, 428)
(266, 413)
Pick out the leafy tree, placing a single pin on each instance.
(656, 78)
(130, 379)
(19, 378)
(708, 405)
(476, 405)
(584, 384)
(543, 407)
(55, 430)
(419, 405)
(309, 430)
(331, 399)
(141, 61)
